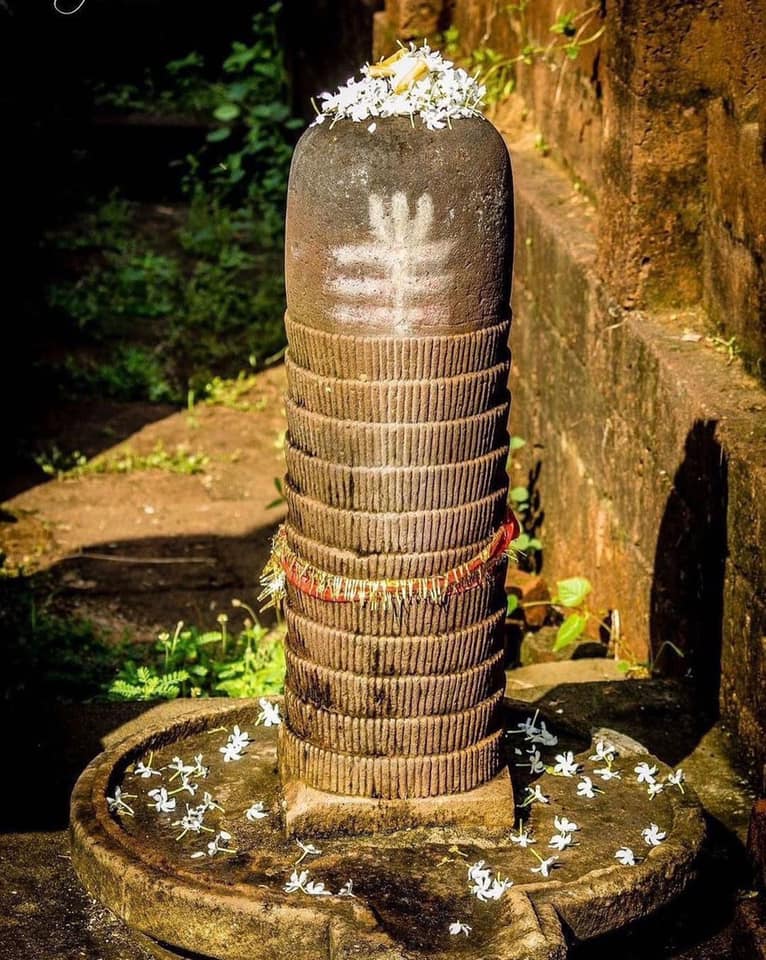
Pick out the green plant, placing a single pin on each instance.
(125, 460)
(569, 600)
(189, 662)
(527, 543)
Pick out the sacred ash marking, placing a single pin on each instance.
(399, 279)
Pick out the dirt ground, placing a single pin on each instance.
(140, 550)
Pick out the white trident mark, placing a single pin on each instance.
(404, 276)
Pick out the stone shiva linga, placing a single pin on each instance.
(374, 816)
(398, 264)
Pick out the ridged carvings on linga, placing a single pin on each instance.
(398, 264)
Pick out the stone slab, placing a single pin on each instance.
(408, 886)
(487, 810)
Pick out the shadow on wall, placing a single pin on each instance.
(686, 603)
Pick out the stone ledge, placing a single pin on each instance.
(643, 432)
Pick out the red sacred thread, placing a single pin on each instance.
(286, 566)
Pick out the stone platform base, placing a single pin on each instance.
(239, 887)
(488, 810)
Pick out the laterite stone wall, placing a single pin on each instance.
(641, 234)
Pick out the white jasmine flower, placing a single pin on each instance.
(560, 840)
(347, 890)
(527, 727)
(458, 927)
(179, 768)
(677, 779)
(216, 845)
(645, 773)
(626, 857)
(605, 752)
(308, 850)
(652, 835)
(269, 715)
(606, 773)
(162, 802)
(297, 881)
(563, 825)
(317, 889)
(230, 753)
(208, 803)
(483, 886)
(188, 786)
(535, 764)
(545, 737)
(199, 770)
(145, 771)
(191, 822)
(535, 794)
(256, 811)
(239, 739)
(522, 838)
(117, 804)
(654, 789)
(585, 788)
(545, 866)
(565, 765)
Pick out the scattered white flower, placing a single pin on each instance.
(117, 804)
(207, 803)
(483, 886)
(652, 835)
(412, 82)
(565, 765)
(560, 840)
(626, 857)
(527, 727)
(192, 822)
(297, 881)
(457, 927)
(545, 866)
(535, 794)
(347, 890)
(162, 802)
(216, 845)
(545, 737)
(535, 764)
(230, 753)
(256, 811)
(645, 773)
(269, 715)
(654, 789)
(606, 773)
(523, 838)
(677, 779)
(179, 768)
(188, 786)
(145, 771)
(585, 788)
(563, 825)
(239, 739)
(308, 850)
(317, 889)
(605, 752)
(200, 770)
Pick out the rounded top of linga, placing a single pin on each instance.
(397, 228)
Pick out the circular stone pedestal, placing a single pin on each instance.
(408, 888)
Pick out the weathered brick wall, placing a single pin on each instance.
(646, 221)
